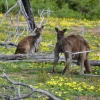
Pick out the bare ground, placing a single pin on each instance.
(86, 98)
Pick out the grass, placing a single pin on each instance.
(40, 75)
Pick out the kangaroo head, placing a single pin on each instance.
(60, 34)
(39, 30)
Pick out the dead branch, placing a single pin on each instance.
(7, 12)
(39, 58)
(91, 75)
(83, 51)
(92, 62)
(8, 44)
(51, 97)
(12, 57)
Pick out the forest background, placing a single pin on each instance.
(79, 9)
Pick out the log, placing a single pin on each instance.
(92, 62)
(8, 44)
(39, 57)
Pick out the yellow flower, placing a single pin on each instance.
(95, 72)
(69, 84)
(59, 94)
(91, 88)
(61, 79)
(22, 78)
(60, 84)
(1, 15)
(80, 89)
(4, 82)
(14, 67)
(74, 83)
(66, 99)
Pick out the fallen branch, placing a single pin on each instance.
(51, 97)
(92, 62)
(74, 53)
(39, 58)
(12, 57)
(91, 75)
(8, 44)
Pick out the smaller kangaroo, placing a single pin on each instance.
(68, 45)
(26, 45)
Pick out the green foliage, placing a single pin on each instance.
(88, 8)
(3, 6)
(42, 76)
(79, 9)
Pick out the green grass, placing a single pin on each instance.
(40, 75)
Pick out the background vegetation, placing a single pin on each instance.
(80, 9)
(65, 14)
(40, 75)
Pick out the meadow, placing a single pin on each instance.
(39, 75)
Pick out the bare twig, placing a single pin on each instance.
(8, 43)
(42, 14)
(91, 75)
(8, 12)
(28, 86)
(83, 51)
(83, 31)
(7, 4)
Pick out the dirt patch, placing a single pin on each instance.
(76, 30)
(86, 98)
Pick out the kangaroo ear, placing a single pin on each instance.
(56, 29)
(64, 30)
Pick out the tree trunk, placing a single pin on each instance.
(29, 13)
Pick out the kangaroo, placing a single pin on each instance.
(68, 45)
(26, 45)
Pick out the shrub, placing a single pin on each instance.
(80, 9)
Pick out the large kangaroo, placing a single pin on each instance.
(69, 45)
(26, 45)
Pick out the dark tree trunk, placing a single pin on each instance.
(29, 13)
